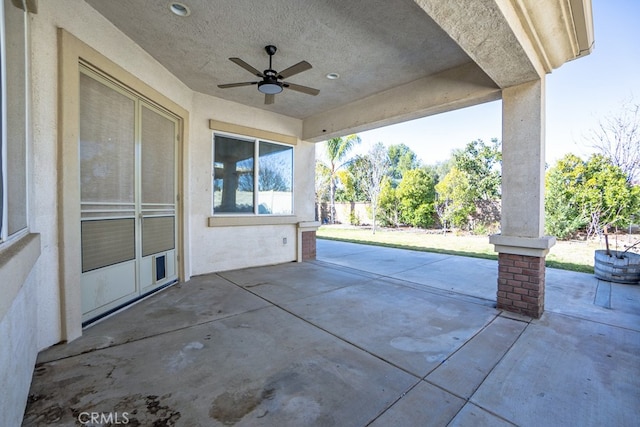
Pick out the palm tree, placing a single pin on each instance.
(337, 151)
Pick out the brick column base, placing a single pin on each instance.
(521, 284)
(308, 245)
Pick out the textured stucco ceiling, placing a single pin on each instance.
(374, 45)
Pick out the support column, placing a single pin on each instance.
(522, 245)
(307, 240)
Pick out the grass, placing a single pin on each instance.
(565, 255)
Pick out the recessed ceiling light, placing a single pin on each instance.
(179, 9)
(333, 76)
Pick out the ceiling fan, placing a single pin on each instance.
(272, 81)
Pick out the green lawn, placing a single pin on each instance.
(572, 255)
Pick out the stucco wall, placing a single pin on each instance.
(225, 248)
(18, 351)
(89, 26)
(33, 320)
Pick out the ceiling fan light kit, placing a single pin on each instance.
(269, 88)
(272, 81)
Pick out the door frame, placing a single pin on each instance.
(71, 53)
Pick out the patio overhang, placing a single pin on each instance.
(396, 62)
(449, 90)
(509, 43)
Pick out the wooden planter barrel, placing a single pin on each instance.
(619, 270)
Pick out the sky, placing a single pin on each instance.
(580, 94)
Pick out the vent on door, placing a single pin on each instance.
(107, 242)
(157, 235)
(161, 267)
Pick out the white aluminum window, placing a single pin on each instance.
(13, 120)
(241, 165)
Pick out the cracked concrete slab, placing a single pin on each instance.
(463, 372)
(567, 371)
(264, 367)
(332, 249)
(319, 343)
(410, 328)
(567, 292)
(288, 282)
(452, 274)
(179, 306)
(425, 405)
(472, 415)
(378, 260)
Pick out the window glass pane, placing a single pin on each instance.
(275, 179)
(233, 168)
(106, 143)
(16, 179)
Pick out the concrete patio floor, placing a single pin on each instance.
(362, 336)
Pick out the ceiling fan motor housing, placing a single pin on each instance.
(272, 83)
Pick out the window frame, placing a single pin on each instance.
(3, 128)
(5, 236)
(256, 174)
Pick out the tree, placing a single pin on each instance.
(607, 197)
(389, 212)
(617, 138)
(563, 210)
(352, 189)
(455, 199)
(372, 173)
(322, 179)
(470, 190)
(401, 159)
(481, 163)
(588, 195)
(442, 168)
(337, 150)
(417, 195)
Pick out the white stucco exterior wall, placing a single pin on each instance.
(89, 26)
(225, 248)
(93, 29)
(32, 320)
(18, 352)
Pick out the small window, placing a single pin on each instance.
(242, 165)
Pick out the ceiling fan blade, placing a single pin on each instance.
(269, 98)
(225, 86)
(303, 89)
(294, 69)
(246, 66)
